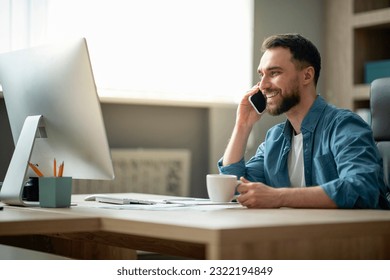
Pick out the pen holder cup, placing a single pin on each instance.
(55, 192)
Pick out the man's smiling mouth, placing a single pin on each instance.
(271, 94)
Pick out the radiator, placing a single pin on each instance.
(155, 171)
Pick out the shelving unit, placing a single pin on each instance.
(358, 31)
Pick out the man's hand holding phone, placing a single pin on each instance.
(247, 115)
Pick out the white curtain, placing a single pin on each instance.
(190, 50)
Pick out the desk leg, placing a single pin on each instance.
(231, 252)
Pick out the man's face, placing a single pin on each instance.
(279, 80)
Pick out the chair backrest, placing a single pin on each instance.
(380, 120)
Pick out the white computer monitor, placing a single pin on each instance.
(54, 112)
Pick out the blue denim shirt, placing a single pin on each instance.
(339, 153)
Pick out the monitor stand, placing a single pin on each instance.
(14, 181)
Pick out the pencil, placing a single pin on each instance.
(36, 170)
(55, 168)
(61, 170)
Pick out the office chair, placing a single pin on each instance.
(380, 121)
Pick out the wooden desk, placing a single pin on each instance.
(204, 232)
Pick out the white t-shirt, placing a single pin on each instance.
(296, 169)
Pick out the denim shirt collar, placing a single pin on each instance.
(311, 119)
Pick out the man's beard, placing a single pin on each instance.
(288, 101)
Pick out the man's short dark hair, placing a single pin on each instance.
(303, 51)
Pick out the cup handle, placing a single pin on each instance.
(238, 182)
(236, 194)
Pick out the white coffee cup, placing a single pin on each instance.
(221, 187)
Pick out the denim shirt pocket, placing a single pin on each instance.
(324, 169)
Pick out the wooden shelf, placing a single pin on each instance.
(360, 6)
(357, 32)
(371, 18)
(361, 92)
(371, 41)
(361, 97)
(369, 44)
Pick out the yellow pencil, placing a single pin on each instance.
(61, 170)
(36, 169)
(55, 168)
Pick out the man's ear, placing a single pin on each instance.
(308, 74)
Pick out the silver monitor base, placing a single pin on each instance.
(14, 181)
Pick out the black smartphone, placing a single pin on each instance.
(258, 102)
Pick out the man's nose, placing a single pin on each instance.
(264, 84)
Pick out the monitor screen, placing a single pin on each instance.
(54, 113)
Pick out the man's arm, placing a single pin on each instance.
(246, 118)
(307, 197)
(259, 195)
(236, 147)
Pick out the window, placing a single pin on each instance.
(183, 50)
